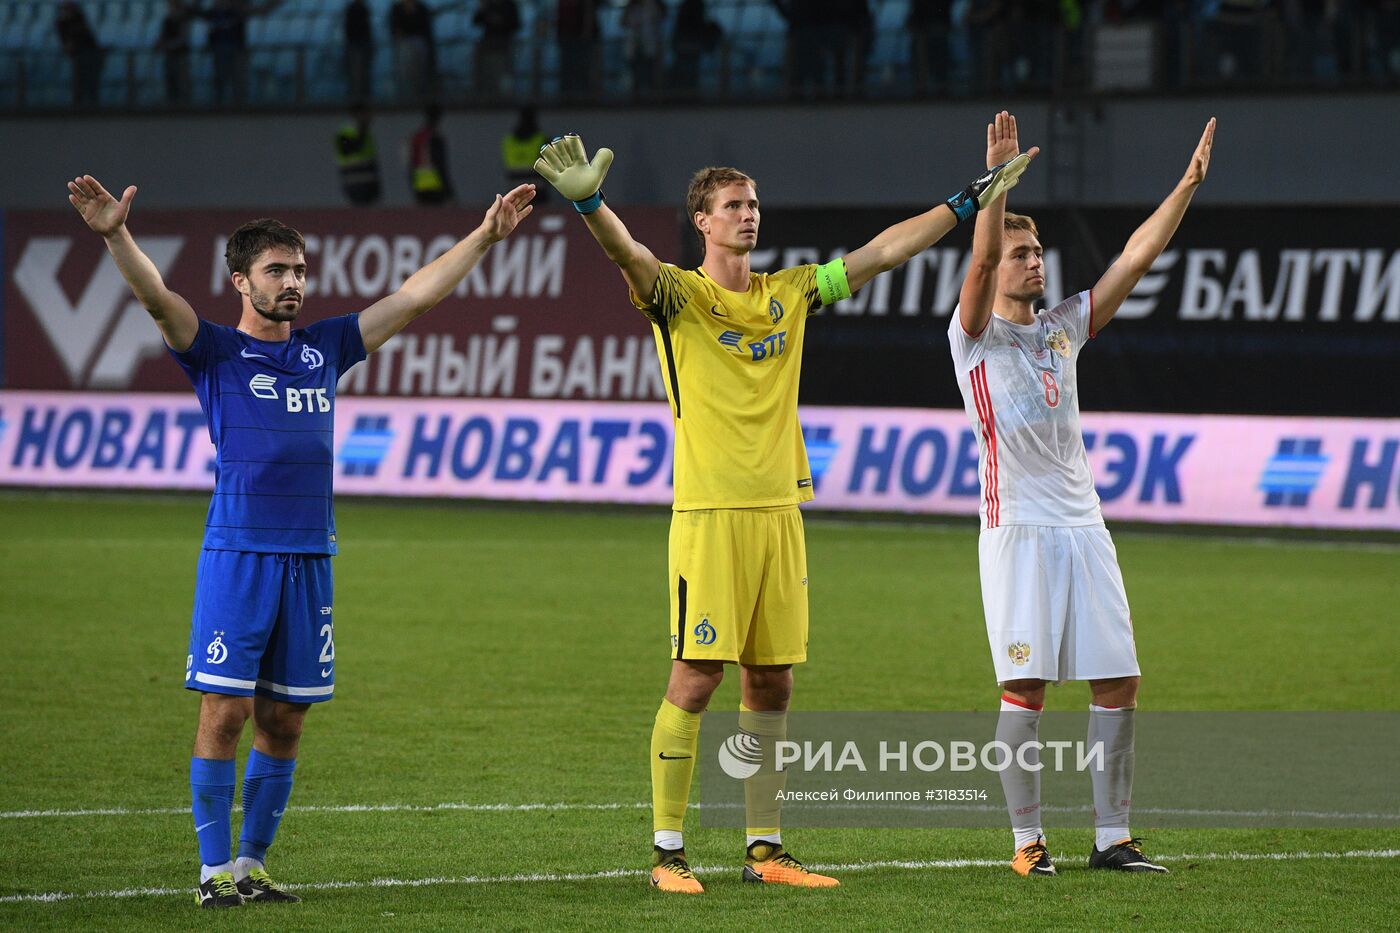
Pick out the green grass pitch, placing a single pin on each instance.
(507, 656)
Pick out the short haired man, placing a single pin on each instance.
(730, 346)
(1051, 588)
(262, 640)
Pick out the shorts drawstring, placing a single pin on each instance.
(293, 562)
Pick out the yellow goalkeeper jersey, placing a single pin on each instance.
(731, 361)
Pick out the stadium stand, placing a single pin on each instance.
(1120, 45)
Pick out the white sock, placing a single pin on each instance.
(1106, 836)
(1017, 726)
(1025, 837)
(1113, 786)
(773, 839)
(669, 839)
(208, 871)
(244, 867)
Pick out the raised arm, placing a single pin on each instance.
(979, 289)
(106, 215)
(896, 245)
(1148, 241)
(564, 164)
(432, 283)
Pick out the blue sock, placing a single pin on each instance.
(211, 786)
(267, 786)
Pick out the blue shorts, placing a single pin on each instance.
(262, 624)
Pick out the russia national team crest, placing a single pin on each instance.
(1058, 341)
(1019, 652)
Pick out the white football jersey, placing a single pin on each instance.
(1020, 391)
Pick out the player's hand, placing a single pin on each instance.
(506, 212)
(102, 212)
(990, 185)
(1002, 143)
(565, 165)
(1200, 159)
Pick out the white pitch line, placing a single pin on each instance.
(560, 806)
(343, 808)
(50, 897)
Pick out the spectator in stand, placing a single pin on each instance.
(173, 42)
(1239, 30)
(642, 24)
(80, 45)
(499, 21)
(847, 35)
(694, 35)
(415, 58)
(359, 51)
(357, 160)
(576, 29)
(228, 40)
(427, 161)
(986, 28)
(928, 25)
(805, 52)
(1383, 30)
(519, 150)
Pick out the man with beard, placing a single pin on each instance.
(262, 640)
(1052, 592)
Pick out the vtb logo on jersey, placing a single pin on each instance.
(766, 349)
(263, 385)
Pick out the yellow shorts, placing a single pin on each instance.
(739, 586)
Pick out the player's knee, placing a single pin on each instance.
(1116, 692)
(279, 724)
(222, 718)
(693, 683)
(768, 688)
(1027, 692)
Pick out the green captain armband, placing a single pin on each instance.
(831, 282)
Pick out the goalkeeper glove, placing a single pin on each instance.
(987, 187)
(565, 165)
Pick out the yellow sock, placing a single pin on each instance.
(762, 807)
(674, 741)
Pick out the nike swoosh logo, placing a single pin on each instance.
(278, 812)
(205, 826)
(248, 356)
(325, 673)
(665, 757)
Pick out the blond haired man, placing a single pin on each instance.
(729, 341)
(1052, 592)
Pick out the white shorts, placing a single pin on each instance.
(1055, 604)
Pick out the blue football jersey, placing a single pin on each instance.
(271, 413)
